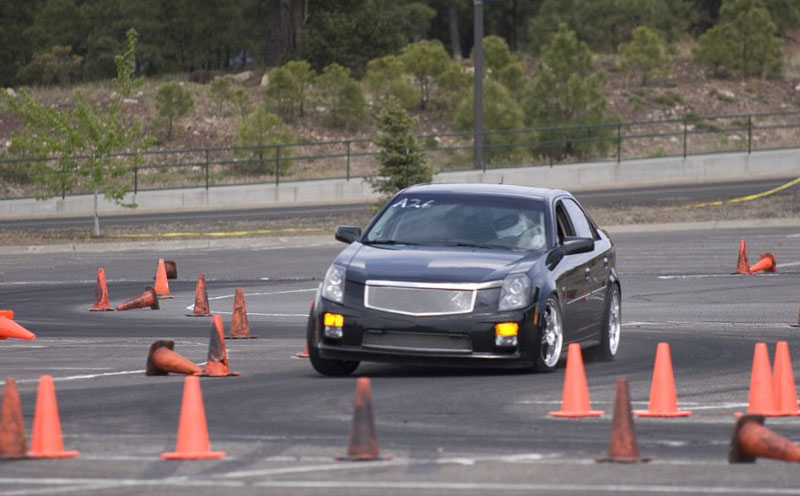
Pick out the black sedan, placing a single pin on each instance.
(468, 275)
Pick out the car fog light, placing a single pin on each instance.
(334, 323)
(505, 334)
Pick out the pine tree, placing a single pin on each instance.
(645, 54)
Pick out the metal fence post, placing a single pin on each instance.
(277, 165)
(63, 187)
(619, 142)
(261, 160)
(749, 133)
(348, 160)
(135, 179)
(206, 168)
(684, 137)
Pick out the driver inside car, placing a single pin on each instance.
(516, 230)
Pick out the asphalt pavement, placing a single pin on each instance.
(448, 431)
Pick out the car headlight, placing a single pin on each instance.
(515, 293)
(333, 285)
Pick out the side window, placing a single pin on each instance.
(583, 228)
(563, 226)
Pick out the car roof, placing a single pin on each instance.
(487, 189)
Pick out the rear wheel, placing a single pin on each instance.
(326, 366)
(552, 337)
(611, 327)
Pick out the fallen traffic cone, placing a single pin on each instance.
(767, 264)
(783, 382)
(192, 442)
(147, 299)
(303, 354)
(240, 328)
(363, 444)
(217, 364)
(161, 360)
(46, 439)
(751, 440)
(761, 399)
(575, 398)
(12, 427)
(161, 285)
(101, 303)
(742, 267)
(10, 329)
(663, 398)
(622, 445)
(200, 299)
(171, 268)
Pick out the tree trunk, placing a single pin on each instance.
(455, 39)
(286, 20)
(96, 217)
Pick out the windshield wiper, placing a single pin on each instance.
(389, 242)
(475, 245)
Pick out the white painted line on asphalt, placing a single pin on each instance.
(788, 264)
(291, 291)
(763, 325)
(699, 276)
(86, 376)
(793, 235)
(267, 314)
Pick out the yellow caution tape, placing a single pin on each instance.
(747, 198)
(222, 234)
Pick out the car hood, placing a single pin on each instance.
(432, 263)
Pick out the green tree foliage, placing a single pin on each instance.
(303, 76)
(343, 96)
(502, 65)
(451, 85)
(220, 92)
(258, 137)
(425, 60)
(82, 144)
(644, 55)
(501, 112)
(604, 24)
(282, 92)
(743, 44)
(173, 101)
(386, 78)
(566, 90)
(240, 101)
(784, 13)
(401, 162)
(57, 65)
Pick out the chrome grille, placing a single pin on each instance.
(417, 341)
(420, 299)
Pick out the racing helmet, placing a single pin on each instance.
(511, 225)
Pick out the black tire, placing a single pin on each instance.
(608, 348)
(547, 359)
(325, 366)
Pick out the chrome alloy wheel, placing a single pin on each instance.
(614, 325)
(552, 335)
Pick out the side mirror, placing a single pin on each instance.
(573, 246)
(347, 234)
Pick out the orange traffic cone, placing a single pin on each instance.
(622, 445)
(575, 398)
(767, 264)
(783, 382)
(171, 268)
(162, 287)
(10, 329)
(217, 364)
(751, 440)
(200, 299)
(161, 360)
(363, 441)
(46, 440)
(761, 400)
(302, 354)
(663, 398)
(240, 328)
(12, 427)
(101, 303)
(192, 442)
(147, 299)
(742, 267)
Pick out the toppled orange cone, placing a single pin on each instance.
(240, 328)
(783, 382)
(192, 442)
(161, 285)
(217, 364)
(766, 264)
(46, 441)
(622, 445)
(663, 397)
(171, 268)
(12, 427)
(147, 299)
(200, 299)
(363, 444)
(742, 267)
(10, 329)
(101, 303)
(761, 399)
(752, 440)
(162, 359)
(575, 397)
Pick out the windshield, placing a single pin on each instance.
(449, 220)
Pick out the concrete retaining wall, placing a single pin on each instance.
(589, 176)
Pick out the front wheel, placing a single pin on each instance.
(611, 327)
(552, 337)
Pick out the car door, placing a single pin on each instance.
(571, 285)
(594, 269)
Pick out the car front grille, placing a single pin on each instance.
(416, 341)
(420, 300)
